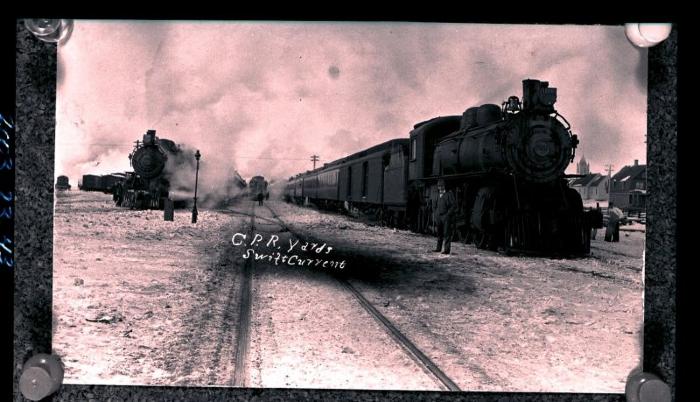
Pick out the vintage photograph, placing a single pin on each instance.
(350, 205)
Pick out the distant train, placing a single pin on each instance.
(257, 187)
(62, 183)
(505, 164)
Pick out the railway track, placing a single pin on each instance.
(420, 358)
(245, 303)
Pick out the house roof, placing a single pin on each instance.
(597, 180)
(630, 173)
(585, 180)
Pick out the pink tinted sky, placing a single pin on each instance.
(261, 97)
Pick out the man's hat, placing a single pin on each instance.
(441, 182)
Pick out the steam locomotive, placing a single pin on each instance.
(154, 161)
(505, 164)
(162, 170)
(258, 186)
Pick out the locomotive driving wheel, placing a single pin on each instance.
(481, 239)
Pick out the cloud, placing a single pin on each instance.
(262, 97)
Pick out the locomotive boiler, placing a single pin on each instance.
(505, 164)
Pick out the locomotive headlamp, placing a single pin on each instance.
(512, 105)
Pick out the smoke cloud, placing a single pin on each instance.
(261, 98)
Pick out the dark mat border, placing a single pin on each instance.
(35, 116)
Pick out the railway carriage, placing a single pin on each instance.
(372, 181)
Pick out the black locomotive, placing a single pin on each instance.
(164, 169)
(155, 161)
(505, 165)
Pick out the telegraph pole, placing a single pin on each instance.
(197, 155)
(314, 159)
(610, 184)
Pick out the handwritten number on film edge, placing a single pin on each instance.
(6, 197)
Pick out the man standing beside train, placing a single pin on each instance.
(615, 217)
(445, 212)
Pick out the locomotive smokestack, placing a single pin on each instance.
(149, 138)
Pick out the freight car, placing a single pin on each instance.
(105, 183)
(505, 164)
(91, 182)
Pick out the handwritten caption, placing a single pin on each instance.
(294, 253)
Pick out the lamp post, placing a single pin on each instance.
(197, 155)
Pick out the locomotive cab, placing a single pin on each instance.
(424, 137)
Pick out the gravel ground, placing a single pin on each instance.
(133, 292)
(497, 323)
(141, 301)
(311, 333)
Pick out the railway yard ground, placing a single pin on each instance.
(138, 300)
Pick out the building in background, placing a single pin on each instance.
(591, 187)
(583, 167)
(629, 188)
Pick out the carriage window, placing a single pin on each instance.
(413, 149)
(334, 178)
(365, 177)
(349, 181)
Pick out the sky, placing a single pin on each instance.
(262, 97)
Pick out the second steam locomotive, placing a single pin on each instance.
(505, 165)
(163, 170)
(155, 161)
